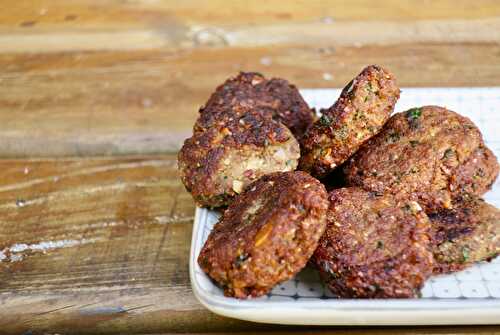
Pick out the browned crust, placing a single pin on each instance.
(374, 246)
(476, 175)
(266, 235)
(466, 234)
(361, 110)
(428, 154)
(200, 157)
(275, 98)
(245, 115)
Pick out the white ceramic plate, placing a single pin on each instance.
(468, 297)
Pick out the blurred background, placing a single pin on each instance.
(96, 98)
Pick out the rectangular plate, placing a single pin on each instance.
(468, 297)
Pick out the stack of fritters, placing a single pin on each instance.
(406, 189)
(245, 130)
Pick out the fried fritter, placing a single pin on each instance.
(466, 234)
(274, 97)
(245, 130)
(428, 154)
(218, 163)
(363, 107)
(266, 235)
(374, 246)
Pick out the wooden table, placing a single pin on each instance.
(97, 96)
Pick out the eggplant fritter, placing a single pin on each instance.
(464, 235)
(374, 246)
(273, 97)
(218, 163)
(266, 235)
(428, 154)
(363, 107)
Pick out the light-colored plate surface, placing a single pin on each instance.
(468, 297)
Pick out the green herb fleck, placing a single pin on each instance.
(414, 143)
(414, 113)
(413, 116)
(380, 244)
(325, 120)
(393, 137)
(370, 87)
(465, 254)
(449, 153)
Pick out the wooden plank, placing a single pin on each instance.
(101, 245)
(127, 77)
(172, 36)
(105, 13)
(146, 101)
(61, 26)
(96, 244)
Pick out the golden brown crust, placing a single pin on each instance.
(216, 164)
(428, 154)
(275, 98)
(266, 235)
(374, 246)
(361, 110)
(240, 135)
(476, 175)
(466, 234)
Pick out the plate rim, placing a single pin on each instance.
(428, 311)
(339, 311)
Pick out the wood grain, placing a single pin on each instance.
(95, 243)
(136, 13)
(146, 101)
(101, 245)
(127, 77)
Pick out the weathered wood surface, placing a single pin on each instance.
(97, 245)
(127, 77)
(100, 245)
